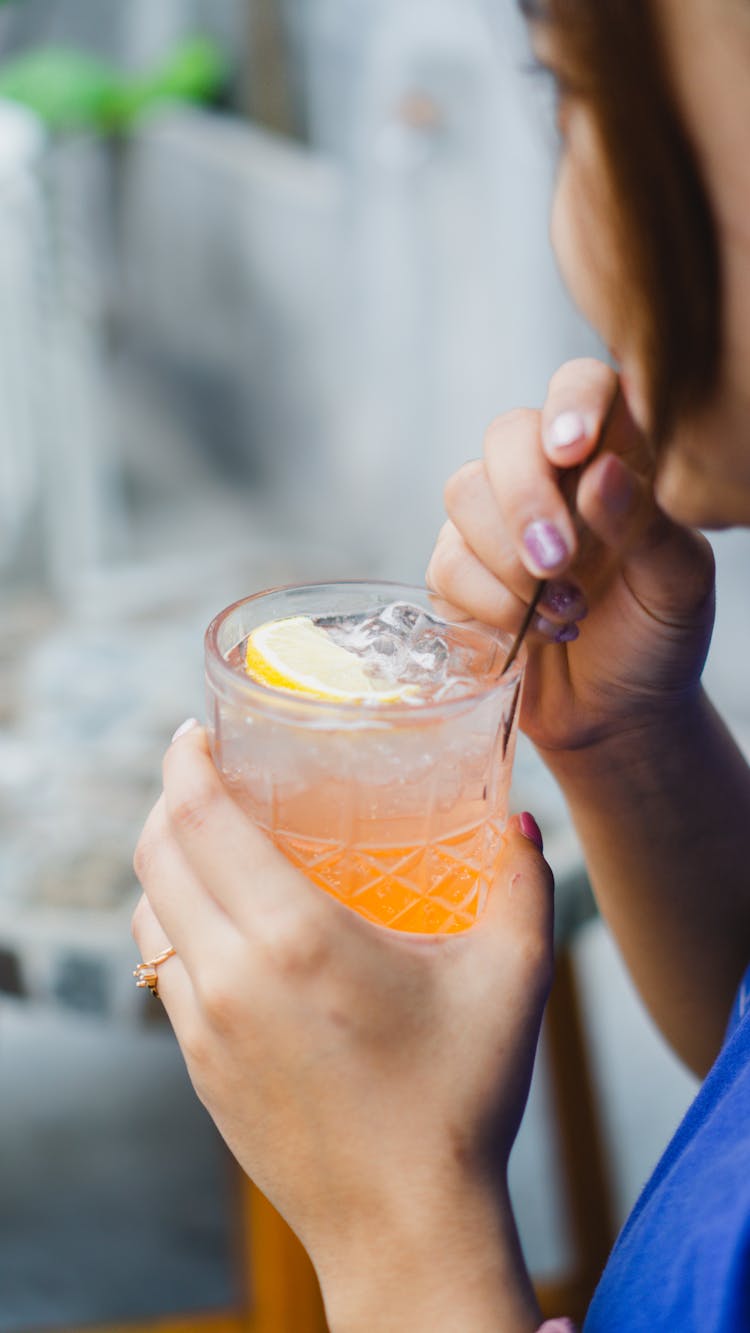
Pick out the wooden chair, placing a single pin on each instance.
(584, 1168)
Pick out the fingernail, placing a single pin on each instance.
(568, 634)
(185, 728)
(545, 545)
(617, 486)
(556, 633)
(567, 429)
(531, 830)
(566, 600)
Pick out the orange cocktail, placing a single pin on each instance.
(371, 736)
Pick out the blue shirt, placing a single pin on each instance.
(682, 1261)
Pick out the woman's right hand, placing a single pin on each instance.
(371, 1083)
(643, 584)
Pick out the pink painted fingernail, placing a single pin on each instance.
(531, 830)
(556, 633)
(568, 634)
(546, 545)
(191, 723)
(565, 600)
(567, 429)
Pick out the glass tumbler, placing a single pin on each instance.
(397, 809)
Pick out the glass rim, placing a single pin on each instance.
(274, 699)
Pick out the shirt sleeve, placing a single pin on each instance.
(740, 1007)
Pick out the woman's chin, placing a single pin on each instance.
(700, 501)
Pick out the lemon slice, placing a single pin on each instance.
(296, 654)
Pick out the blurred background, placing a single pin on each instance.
(267, 270)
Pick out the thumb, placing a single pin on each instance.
(519, 916)
(669, 569)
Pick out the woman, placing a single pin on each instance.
(373, 1086)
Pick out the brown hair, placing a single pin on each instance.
(611, 55)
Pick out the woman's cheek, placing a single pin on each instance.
(570, 232)
(578, 235)
(583, 231)
(561, 229)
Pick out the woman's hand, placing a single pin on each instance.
(658, 791)
(371, 1084)
(645, 584)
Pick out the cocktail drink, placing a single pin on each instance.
(370, 733)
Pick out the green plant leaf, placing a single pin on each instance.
(65, 88)
(195, 72)
(71, 90)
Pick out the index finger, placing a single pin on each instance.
(234, 860)
(526, 488)
(579, 398)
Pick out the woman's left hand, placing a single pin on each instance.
(370, 1083)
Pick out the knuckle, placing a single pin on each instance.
(218, 1001)
(143, 859)
(581, 375)
(190, 812)
(296, 942)
(432, 575)
(448, 562)
(462, 481)
(517, 420)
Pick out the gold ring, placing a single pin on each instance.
(146, 975)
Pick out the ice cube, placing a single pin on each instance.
(402, 617)
(386, 645)
(350, 632)
(359, 639)
(423, 664)
(386, 657)
(401, 644)
(430, 651)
